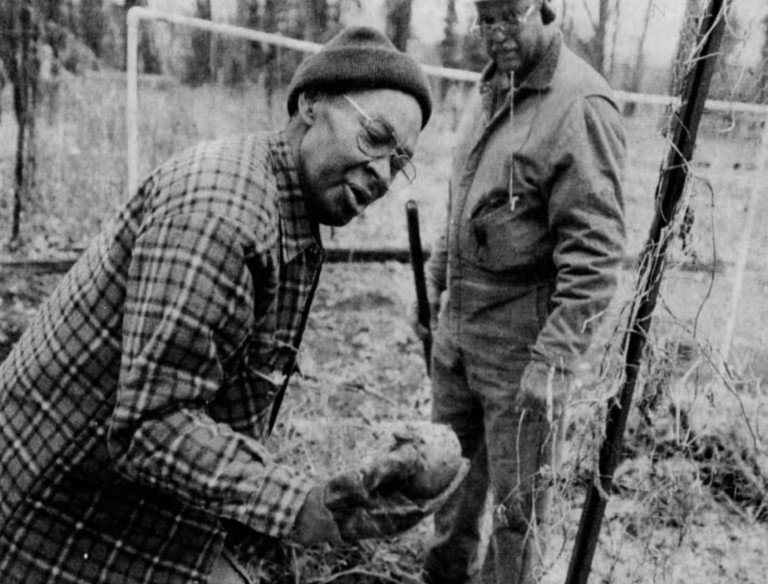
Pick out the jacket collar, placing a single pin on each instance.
(298, 231)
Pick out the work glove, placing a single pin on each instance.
(544, 387)
(367, 504)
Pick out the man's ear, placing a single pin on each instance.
(306, 107)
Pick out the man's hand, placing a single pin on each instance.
(388, 511)
(544, 387)
(366, 504)
(315, 523)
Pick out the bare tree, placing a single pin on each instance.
(199, 65)
(733, 80)
(92, 24)
(762, 94)
(638, 70)
(449, 46)
(249, 16)
(594, 48)
(317, 16)
(398, 16)
(51, 10)
(19, 36)
(273, 55)
(71, 20)
(599, 41)
(333, 24)
(684, 44)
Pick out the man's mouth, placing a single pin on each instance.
(363, 197)
(506, 51)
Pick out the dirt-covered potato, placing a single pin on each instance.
(437, 453)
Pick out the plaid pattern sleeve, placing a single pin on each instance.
(188, 304)
(131, 408)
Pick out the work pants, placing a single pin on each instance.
(474, 392)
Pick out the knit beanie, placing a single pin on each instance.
(547, 14)
(360, 58)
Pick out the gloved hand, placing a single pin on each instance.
(544, 386)
(388, 511)
(366, 504)
(315, 523)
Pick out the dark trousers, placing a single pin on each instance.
(474, 392)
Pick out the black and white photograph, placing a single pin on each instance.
(383, 291)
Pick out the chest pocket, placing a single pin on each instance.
(245, 400)
(255, 373)
(506, 234)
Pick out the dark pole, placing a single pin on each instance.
(669, 192)
(417, 261)
(24, 70)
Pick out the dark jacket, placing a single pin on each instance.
(535, 198)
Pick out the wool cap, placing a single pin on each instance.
(360, 58)
(547, 14)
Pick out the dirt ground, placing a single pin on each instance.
(668, 521)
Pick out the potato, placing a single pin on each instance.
(437, 453)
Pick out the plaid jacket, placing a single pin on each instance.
(131, 410)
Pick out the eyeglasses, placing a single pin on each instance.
(377, 139)
(508, 23)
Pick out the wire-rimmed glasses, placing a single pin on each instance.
(377, 139)
(509, 22)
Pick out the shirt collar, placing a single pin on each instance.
(298, 230)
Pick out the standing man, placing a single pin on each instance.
(527, 264)
(132, 410)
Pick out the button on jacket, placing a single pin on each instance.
(132, 409)
(534, 199)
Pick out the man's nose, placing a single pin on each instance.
(499, 34)
(381, 168)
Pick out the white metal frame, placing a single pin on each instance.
(137, 14)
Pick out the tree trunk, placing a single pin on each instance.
(272, 54)
(249, 17)
(71, 18)
(615, 42)
(594, 49)
(23, 73)
(398, 16)
(639, 68)
(317, 15)
(601, 37)
(51, 11)
(449, 46)
(199, 63)
(762, 92)
(92, 22)
(684, 45)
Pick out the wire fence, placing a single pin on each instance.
(731, 159)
